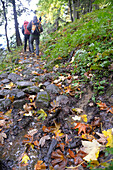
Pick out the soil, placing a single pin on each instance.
(24, 130)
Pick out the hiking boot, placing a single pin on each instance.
(32, 54)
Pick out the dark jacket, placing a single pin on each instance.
(29, 27)
(23, 29)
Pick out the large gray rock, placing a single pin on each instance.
(14, 77)
(52, 89)
(32, 89)
(4, 93)
(42, 100)
(6, 103)
(3, 76)
(4, 81)
(18, 104)
(62, 100)
(24, 84)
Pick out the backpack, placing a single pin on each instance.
(25, 28)
(36, 27)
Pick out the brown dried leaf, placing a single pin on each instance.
(43, 139)
(2, 122)
(2, 136)
(102, 139)
(59, 159)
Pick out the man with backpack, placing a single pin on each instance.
(35, 29)
(26, 34)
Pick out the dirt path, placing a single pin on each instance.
(36, 117)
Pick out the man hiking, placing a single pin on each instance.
(26, 34)
(35, 29)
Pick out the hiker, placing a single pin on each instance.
(35, 29)
(26, 34)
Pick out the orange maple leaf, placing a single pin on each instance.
(82, 127)
(110, 110)
(40, 165)
(102, 106)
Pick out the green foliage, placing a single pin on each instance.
(8, 61)
(91, 39)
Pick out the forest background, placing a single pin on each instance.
(54, 14)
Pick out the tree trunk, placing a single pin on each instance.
(74, 9)
(76, 5)
(3, 4)
(70, 7)
(18, 39)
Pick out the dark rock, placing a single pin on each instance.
(18, 104)
(52, 89)
(14, 77)
(4, 81)
(42, 99)
(62, 100)
(6, 103)
(3, 75)
(31, 90)
(24, 84)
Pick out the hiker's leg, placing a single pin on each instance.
(25, 42)
(37, 46)
(31, 43)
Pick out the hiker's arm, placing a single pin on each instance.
(41, 29)
(22, 29)
(29, 26)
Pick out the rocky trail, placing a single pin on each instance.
(43, 125)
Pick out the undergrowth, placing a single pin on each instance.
(90, 39)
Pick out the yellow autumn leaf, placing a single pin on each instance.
(109, 135)
(41, 111)
(9, 86)
(77, 110)
(84, 118)
(57, 66)
(25, 158)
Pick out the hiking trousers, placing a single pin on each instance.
(26, 38)
(36, 39)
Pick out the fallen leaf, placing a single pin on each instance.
(9, 86)
(81, 127)
(102, 139)
(27, 108)
(109, 135)
(55, 103)
(2, 136)
(102, 106)
(71, 153)
(87, 136)
(32, 132)
(32, 97)
(59, 159)
(84, 118)
(42, 113)
(76, 118)
(43, 139)
(92, 149)
(110, 110)
(25, 158)
(77, 110)
(61, 146)
(2, 122)
(78, 159)
(40, 165)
